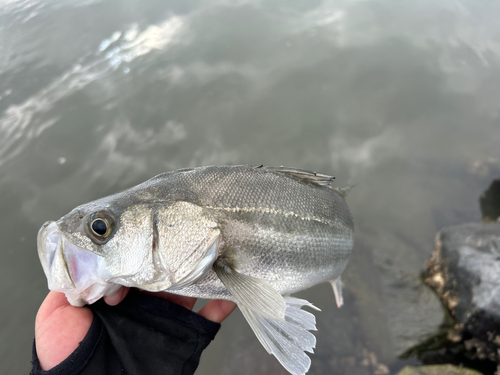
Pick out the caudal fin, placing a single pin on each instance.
(279, 323)
(287, 340)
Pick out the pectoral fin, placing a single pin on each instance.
(252, 293)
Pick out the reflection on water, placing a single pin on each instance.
(397, 97)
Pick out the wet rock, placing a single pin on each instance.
(490, 202)
(437, 370)
(465, 272)
(423, 313)
(397, 304)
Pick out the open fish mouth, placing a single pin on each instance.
(71, 269)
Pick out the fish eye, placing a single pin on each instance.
(100, 226)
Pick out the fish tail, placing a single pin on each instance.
(288, 339)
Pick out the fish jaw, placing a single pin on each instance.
(52, 259)
(69, 269)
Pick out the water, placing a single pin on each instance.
(398, 97)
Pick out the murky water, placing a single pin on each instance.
(398, 97)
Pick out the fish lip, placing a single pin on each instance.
(51, 254)
(63, 261)
(51, 243)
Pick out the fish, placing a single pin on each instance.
(250, 234)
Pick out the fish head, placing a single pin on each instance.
(98, 247)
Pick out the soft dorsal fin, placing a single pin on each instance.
(343, 191)
(302, 174)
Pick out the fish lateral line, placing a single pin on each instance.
(271, 211)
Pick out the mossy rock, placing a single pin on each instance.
(437, 370)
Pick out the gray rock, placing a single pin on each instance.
(395, 308)
(465, 272)
(438, 370)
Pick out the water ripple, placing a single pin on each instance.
(20, 123)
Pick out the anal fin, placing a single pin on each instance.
(287, 339)
(337, 290)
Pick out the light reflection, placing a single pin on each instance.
(19, 123)
(362, 154)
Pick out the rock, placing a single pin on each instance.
(437, 370)
(490, 202)
(465, 272)
(394, 305)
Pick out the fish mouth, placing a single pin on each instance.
(50, 251)
(70, 269)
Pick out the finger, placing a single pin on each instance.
(52, 302)
(187, 302)
(217, 310)
(117, 297)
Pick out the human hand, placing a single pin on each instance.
(60, 327)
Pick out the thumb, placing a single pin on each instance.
(59, 328)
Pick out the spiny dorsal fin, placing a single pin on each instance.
(302, 174)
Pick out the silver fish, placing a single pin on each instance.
(250, 234)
